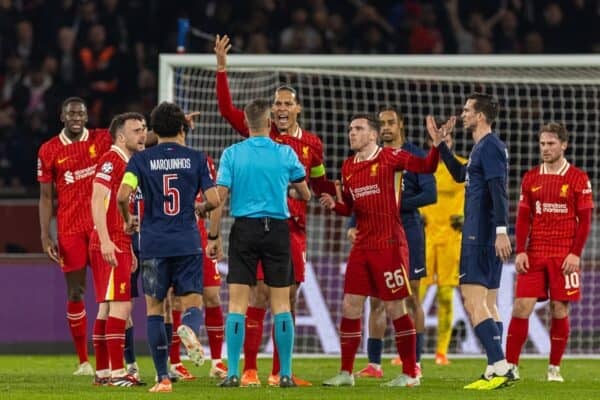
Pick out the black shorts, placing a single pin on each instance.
(260, 239)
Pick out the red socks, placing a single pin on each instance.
(215, 329)
(174, 356)
(100, 349)
(115, 342)
(406, 343)
(77, 319)
(516, 338)
(559, 336)
(350, 336)
(255, 318)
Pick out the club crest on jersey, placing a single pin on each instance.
(92, 151)
(374, 169)
(305, 151)
(564, 190)
(122, 287)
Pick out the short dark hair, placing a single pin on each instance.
(167, 119)
(119, 121)
(558, 129)
(289, 89)
(72, 99)
(257, 113)
(399, 115)
(371, 120)
(485, 104)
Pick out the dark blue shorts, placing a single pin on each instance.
(134, 276)
(184, 273)
(479, 265)
(415, 236)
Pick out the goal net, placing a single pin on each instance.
(531, 91)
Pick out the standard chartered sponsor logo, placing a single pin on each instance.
(555, 208)
(365, 191)
(71, 177)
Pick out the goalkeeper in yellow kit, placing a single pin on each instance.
(443, 225)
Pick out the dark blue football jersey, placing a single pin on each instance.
(418, 190)
(488, 160)
(170, 176)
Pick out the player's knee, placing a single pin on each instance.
(211, 299)
(559, 309)
(259, 296)
(351, 308)
(76, 293)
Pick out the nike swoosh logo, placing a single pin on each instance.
(535, 188)
(62, 160)
(572, 292)
(461, 275)
(395, 290)
(217, 277)
(419, 270)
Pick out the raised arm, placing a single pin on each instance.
(233, 115)
(427, 194)
(457, 169)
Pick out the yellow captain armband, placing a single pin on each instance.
(318, 171)
(130, 179)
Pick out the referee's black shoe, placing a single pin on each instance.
(230, 381)
(286, 382)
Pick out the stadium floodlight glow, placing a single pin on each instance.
(531, 90)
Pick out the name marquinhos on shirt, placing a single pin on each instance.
(167, 164)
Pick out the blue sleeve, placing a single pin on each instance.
(352, 221)
(497, 188)
(132, 165)
(296, 169)
(494, 160)
(225, 174)
(427, 193)
(206, 181)
(457, 169)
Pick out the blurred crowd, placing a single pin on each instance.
(106, 50)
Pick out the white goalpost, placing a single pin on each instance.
(532, 90)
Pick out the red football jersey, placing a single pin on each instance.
(372, 189)
(71, 166)
(553, 200)
(307, 146)
(109, 173)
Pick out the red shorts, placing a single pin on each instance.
(545, 279)
(73, 251)
(211, 275)
(297, 253)
(112, 283)
(378, 273)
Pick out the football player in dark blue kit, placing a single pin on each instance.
(485, 241)
(170, 175)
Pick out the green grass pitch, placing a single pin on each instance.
(49, 377)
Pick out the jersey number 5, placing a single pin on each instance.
(171, 202)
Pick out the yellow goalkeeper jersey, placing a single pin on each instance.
(450, 201)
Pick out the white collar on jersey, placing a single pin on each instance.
(65, 139)
(370, 157)
(561, 171)
(120, 152)
(297, 133)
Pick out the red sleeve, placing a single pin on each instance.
(322, 185)
(583, 191)
(584, 225)
(105, 171)
(426, 165)
(211, 167)
(45, 172)
(233, 115)
(522, 228)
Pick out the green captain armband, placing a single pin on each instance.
(130, 179)
(318, 171)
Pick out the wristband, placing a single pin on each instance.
(501, 230)
(210, 237)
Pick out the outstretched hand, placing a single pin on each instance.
(437, 134)
(222, 47)
(189, 118)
